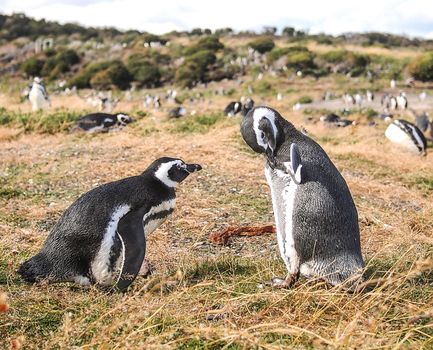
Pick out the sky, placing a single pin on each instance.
(409, 17)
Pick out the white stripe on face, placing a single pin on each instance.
(258, 114)
(162, 173)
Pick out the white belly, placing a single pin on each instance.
(283, 191)
(37, 100)
(100, 265)
(398, 136)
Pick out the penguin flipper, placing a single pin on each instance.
(131, 233)
(295, 165)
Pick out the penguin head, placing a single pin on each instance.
(124, 119)
(172, 171)
(260, 130)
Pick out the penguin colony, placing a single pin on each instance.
(101, 237)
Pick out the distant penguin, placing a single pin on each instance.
(316, 218)
(101, 237)
(422, 96)
(406, 135)
(38, 95)
(425, 124)
(233, 108)
(402, 102)
(247, 106)
(177, 112)
(334, 120)
(392, 84)
(100, 122)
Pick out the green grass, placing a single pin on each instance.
(40, 122)
(195, 124)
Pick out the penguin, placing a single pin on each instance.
(402, 102)
(334, 120)
(232, 109)
(38, 95)
(407, 135)
(177, 112)
(247, 106)
(95, 122)
(101, 238)
(316, 218)
(425, 124)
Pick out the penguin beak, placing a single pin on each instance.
(191, 168)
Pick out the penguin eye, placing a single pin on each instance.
(262, 135)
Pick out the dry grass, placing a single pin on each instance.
(203, 296)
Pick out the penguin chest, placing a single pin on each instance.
(283, 192)
(157, 215)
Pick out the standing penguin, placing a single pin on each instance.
(316, 218)
(101, 237)
(38, 95)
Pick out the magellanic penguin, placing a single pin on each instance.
(101, 237)
(38, 95)
(407, 135)
(100, 122)
(316, 218)
(232, 108)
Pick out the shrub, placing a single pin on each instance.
(101, 80)
(119, 75)
(195, 68)
(262, 45)
(209, 43)
(188, 74)
(115, 72)
(300, 59)
(149, 38)
(145, 69)
(421, 68)
(32, 67)
(347, 61)
(305, 99)
(278, 52)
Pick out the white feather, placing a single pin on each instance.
(100, 266)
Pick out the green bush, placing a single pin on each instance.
(195, 68)
(188, 74)
(119, 75)
(112, 73)
(262, 45)
(300, 60)
(32, 67)
(421, 68)
(101, 80)
(208, 43)
(305, 99)
(278, 52)
(335, 56)
(53, 66)
(347, 61)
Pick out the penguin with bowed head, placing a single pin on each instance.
(316, 218)
(101, 237)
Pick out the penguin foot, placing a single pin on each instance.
(146, 269)
(288, 282)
